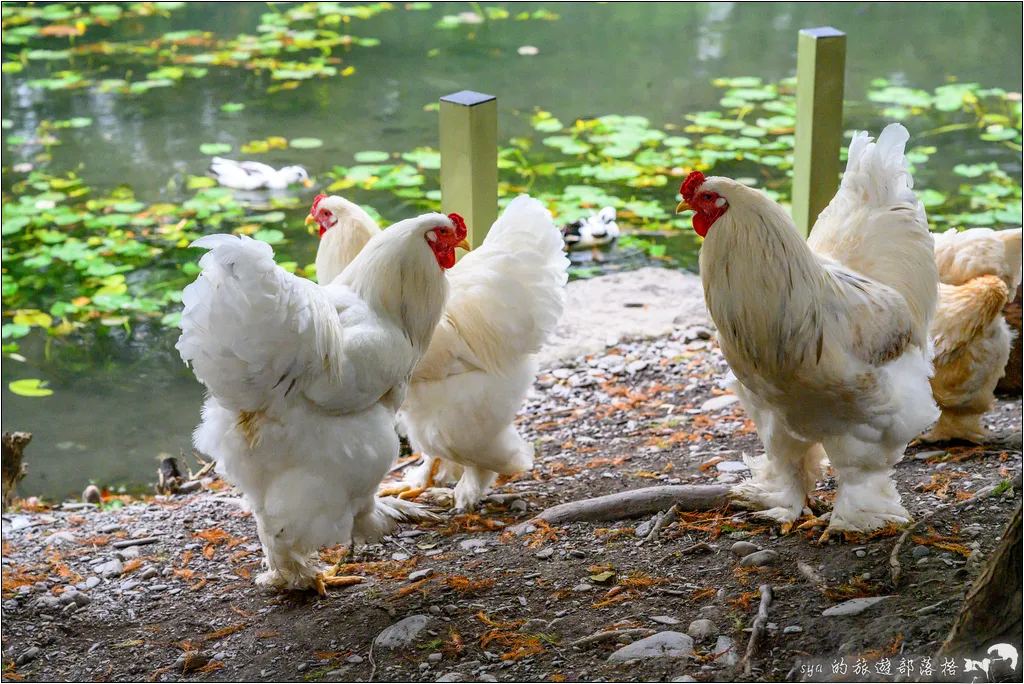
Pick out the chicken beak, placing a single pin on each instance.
(464, 245)
(310, 220)
(682, 206)
(307, 183)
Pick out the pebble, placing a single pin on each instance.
(792, 629)
(110, 569)
(731, 467)
(149, 573)
(759, 559)
(684, 678)
(435, 657)
(470, 544)
(544, 554)
(417, 575)
(28, 656)
(451, 608)
(582, 586)
(92, 582)
(741, 549)
(725, 649)
(128, 552)
(920, 551)
(660, 645)
(664, 620)
(702, 629)
(403, 633)
(719, 403)
(354, 659)
(518, 506)
(92, 495)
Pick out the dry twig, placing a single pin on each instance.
(758, 629)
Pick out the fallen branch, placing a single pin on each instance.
(758, 629)
(634, 504)
(894, 557)
(811, 575)
(611, 634)
(663, 522)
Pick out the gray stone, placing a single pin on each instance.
(110, 569)
(684, 678)
(417, 575)
(920, 551)
(128, 552)
(544, 554)
(664, 620)
(59, 538)
(660, 645)
(534, 626)
(471, 544)
(725, 649)
(792, 629)
(759, 559)
(702, 629)
(149, 573)
(435, 658)
(518, 506)
(719, 403)
(743, 548)
(403, 633)
(48, 602)
(853, 606)
(636, 366)
(731, 467)
(354, 659)
(28, 656)
(451, 677)
(92, 582)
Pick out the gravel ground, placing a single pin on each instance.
(161, 589)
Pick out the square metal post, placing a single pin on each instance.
(820, 66)
(469, 160)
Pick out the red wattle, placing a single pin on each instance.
(701, 224)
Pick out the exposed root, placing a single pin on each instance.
(758, 629)
(633, 504)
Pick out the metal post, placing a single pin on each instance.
(820, 66)
(469, 160)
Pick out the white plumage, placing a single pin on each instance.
(506, 298)
(828, 339)
(255, 175)
(304, 381)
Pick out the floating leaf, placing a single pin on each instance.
(30, 387)
(306, 143)
(215, 148)
(371, 157)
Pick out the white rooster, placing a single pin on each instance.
(828, 339)
(506, 298)
(304, 380)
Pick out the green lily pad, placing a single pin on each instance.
(305, 143)
(215, 148)
(371, 157)
(30, 387)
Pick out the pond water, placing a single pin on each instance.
(120, 396)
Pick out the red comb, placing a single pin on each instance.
(460, 225)
(316, 201)
(689, 187)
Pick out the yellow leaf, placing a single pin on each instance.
(119, 288)
(343, 184)
(34, 318)
(348, 71)
(277, 142)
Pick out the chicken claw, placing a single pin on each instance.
(394, 489)
(816, 521)
(409, 494)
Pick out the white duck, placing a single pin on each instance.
(254, 175)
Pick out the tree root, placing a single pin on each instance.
(633, 504)
(895, 568)
(758, 629)
(663, 521)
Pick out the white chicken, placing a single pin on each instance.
(304, 381)
(506, 298)
(828, 339)
(353, 228)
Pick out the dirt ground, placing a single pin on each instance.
(82, 601)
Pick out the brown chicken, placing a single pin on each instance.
(978, 271)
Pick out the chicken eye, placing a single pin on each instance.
(708, 196)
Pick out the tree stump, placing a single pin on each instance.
(991, 614)
(1011, 382)
(12, 468)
